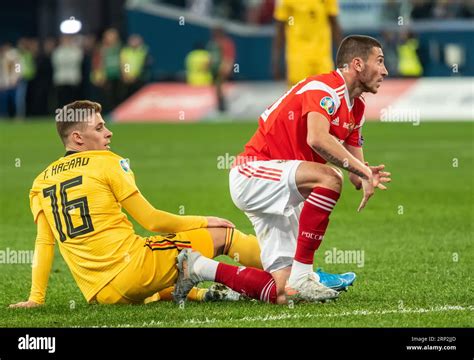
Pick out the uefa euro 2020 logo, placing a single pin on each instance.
(327, 104)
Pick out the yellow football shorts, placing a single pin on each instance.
(154, 267)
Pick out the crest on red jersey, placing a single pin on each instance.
(327, 103)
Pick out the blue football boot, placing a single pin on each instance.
(338, 282)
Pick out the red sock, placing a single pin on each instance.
(314, 220)
(254, 283)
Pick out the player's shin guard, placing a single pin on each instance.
(242, 248)
(314, 220)
(254, 283)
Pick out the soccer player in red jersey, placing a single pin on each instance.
(282, 180)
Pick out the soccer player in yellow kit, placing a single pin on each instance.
(78, 200)
(308, 27)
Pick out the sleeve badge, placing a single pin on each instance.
(125, 165)
(327, 103)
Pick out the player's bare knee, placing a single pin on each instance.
(331, 178)
(339, 173)
(337, 178)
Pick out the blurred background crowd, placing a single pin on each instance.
(43, 69)
(39, 76)
(261, 11)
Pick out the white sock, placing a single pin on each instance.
(206, 268)
(298, 271)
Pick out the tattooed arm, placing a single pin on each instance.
(330, 149)
(359, 155)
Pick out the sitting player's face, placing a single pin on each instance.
(95, 135)
(374, 71)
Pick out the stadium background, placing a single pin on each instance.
(416, 238)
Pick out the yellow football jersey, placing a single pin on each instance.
(80, 195)
(308, 31)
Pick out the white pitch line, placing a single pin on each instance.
(289, 316)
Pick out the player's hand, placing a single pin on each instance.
(377, 180)
(25, 304)
(218, 222)
(368, 188)
(380, 177)
(356, 181)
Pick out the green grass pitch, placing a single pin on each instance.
(416, 237)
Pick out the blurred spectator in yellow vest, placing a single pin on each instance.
(133, 60)
(27, 53)
(198, 71)
(409, 63)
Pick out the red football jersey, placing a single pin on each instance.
(282, 129)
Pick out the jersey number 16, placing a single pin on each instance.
(67, 206)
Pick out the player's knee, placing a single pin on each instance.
(339, 173)
(338, 178)
(332, 179)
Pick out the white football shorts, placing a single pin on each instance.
(266, 191)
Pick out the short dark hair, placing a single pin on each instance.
(64, 124)
(355, 46)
